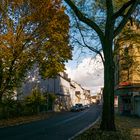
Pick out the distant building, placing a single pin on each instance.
(127, 74)
(62, 88)
(93, 99)
(81, 95)
(87, 97)
(68, 92)
(98, 98)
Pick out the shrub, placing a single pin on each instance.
(35, 102)
(10, 108)
(50, 97)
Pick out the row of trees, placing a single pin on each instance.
(31, 32)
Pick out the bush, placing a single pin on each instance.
(10, 108)
(32, 104)
(35, 102)
(50, 97)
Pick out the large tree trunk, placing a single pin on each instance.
(1, 76)
(108, 98)
(107, 122)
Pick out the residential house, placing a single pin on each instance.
(87, 95)
(81, 95)
(93, 99)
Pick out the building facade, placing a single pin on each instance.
(81, 95)
(127, 72)
(67, 92)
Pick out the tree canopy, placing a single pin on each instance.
(31, 31)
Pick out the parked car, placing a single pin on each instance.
(75, 108)
(80, 106)
(87, 106)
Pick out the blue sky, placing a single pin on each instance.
(86, 70)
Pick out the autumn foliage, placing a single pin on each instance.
(31, 31)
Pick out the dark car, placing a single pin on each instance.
(80, 106)
(87, 106)
(75, 108)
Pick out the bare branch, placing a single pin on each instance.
(126, 17)
(85, 20)
(89, 47)
(121, 11)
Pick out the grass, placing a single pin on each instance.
(128, 128)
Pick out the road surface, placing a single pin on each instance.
(59, 127)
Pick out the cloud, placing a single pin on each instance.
(89, 73)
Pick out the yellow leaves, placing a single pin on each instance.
(16, 3)
(33, 31)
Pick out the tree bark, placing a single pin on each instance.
(107, 122)
(1, 76)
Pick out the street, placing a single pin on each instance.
(59, 127)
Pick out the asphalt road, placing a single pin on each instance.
(59, 127)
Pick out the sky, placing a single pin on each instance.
(85, 68)
(88, 71)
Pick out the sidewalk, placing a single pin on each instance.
(128, 128)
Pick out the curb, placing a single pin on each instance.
(80, 132)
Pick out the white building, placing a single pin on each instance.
(81, 95)
(68, 92)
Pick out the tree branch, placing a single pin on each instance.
(89, 47)
(126, 17)
(109, 6)
(85, 20)
(109, 21)
(121, 11)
